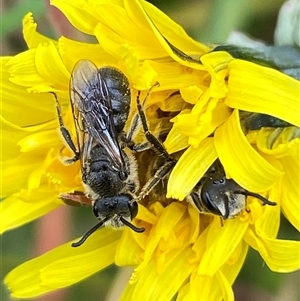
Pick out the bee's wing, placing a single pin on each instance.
(92, 110)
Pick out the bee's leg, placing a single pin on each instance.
(157, 145)
(127, 138)
(159, 175)
(141, 146)
(76, 198)
(66, 134)
(154, 141)
(133, 128)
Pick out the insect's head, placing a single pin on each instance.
(121, 205)
(221, 196)
(217, 194)
(117, 209)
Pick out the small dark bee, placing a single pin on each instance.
(256, 121)
(213, 194)
(100, 100)
(218, 195)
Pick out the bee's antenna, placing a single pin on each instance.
(89, 233)
(131, 226)
(256, 195)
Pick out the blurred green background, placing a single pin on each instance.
(207, 21)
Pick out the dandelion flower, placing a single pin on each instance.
(182, 252)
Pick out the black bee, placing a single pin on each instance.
(213, 194)
(216, 194)
(100, 100)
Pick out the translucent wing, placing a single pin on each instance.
(92, 110)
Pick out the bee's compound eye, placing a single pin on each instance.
(123, 175)
(133, 209)
(96, 209)
(208, 203)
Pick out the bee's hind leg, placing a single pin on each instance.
(66, 134)
(154, 141)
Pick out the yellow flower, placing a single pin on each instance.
(181, 251)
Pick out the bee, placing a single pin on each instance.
(256, 121)
(216, 194)
(100, 101)
(213, 194)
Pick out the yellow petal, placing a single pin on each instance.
(153, 285)
(214, 114)
(240, 159)
(138, 11)
(171, 75)
(183, 293)
(216, 63)
(190, 168)
(225, 287)
(175, 141)
(51, 67)
(278, 142)
(195, 223)
(23, 71)
(40, 141)
(148, 15)
(11, 149)
(15, 173)
(15, 212)
(208, 285)
(280, 255)
(164, 230)
(125, 31)
(31, 36)
(78, 14)
(186, 122)
(191, 94)
(259, 89)
(145, 215)
(268, 223)
(172, 102)
(15, 128)
(13, 134)
(234, 264)
(63, 265)
(129, 256)
(221, 243)
(72, 51)
(291, 194)
(115, 44)
(18, 106)
(200, 122)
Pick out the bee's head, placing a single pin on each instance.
(121, 206)
(218, 196)
(224, 197)
(119, 209)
